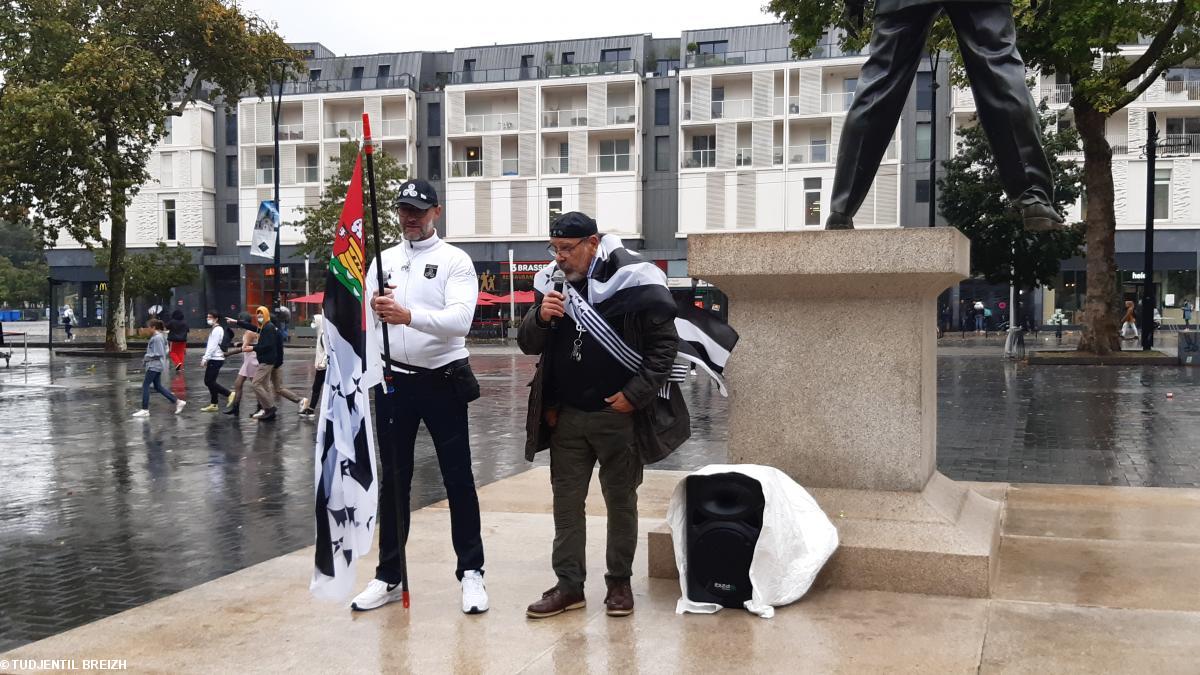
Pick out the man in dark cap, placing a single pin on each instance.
(426, 309)
(597, 382)
(987, 42)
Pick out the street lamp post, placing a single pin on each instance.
(935, 58)
(1149, 297)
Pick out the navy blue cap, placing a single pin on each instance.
(573, 225)
(417, 193)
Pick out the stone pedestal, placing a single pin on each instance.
(834, 381)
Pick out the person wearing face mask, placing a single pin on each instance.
(320, 361)
(219, 339)
(268, 384)
(249, 361)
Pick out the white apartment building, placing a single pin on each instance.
(520, 151)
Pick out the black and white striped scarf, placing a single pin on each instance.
(621, 281)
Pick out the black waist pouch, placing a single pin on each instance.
(462, 381)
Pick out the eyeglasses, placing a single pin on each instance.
(562, 250)
(410, 211)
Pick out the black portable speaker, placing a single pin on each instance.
(724, 518)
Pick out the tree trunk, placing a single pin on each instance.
(114, 316)
(1100, 311)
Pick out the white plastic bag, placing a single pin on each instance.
(795, 542)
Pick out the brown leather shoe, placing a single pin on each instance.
(555, 601)
(619, 601)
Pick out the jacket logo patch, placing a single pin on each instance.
(430, 271)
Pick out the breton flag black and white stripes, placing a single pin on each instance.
(620, 281)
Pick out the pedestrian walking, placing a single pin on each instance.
(1187, 313)
(177, 331)
(308, 406)
(67, 317)
(249, 363)
(433, 384)
(155, 361)
(1129, 329)
(219, 340)
(979, 311)
(268, 383)
(594, 397)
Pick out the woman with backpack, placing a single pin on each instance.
(177, 330)
(220, 338)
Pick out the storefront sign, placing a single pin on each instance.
(520, 268)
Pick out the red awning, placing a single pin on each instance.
(314, 299)
(484, 295)
(522, 298)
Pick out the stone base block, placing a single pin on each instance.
(940, 541)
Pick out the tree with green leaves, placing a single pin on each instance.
(23, 269)
(1080, 40)
(319, 221)
(972, 199)
(151, 275)
(87, 90)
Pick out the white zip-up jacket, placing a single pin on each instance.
(437, 283)
(212, 349)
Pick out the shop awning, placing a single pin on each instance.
(522, 298)
(313, 299)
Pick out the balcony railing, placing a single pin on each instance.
(468, 168)
(687, 112)
(622, 115)
(401, 81)
(308, 174)
(552, 119)
(774, 55)
(963, 98)
(744, 157)
(1119, 146)
(556, 166)
(347, 129)
(493, 122)
(1182, 90)
(596, 68)
(496, 75)
(1179, 144)
(1057, 94)
(836, 102)
(735, 109)
(812, 153)
(510, 167)
(777, 155)
(697, 159)
(291, 132)
(609, 163)
(264, 176)
(397, 127)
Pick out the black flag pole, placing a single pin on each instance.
(387, 352)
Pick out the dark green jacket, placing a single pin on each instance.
(659, 425)
(886, 6)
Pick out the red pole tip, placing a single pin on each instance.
(366, 126)
(405, 594)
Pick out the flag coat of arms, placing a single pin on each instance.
(346, 487)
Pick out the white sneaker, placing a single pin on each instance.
(474, 593)
(142, 413)
(303, 404)
(179, 405)
(377, 594)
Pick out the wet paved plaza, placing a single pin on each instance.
(100, 512)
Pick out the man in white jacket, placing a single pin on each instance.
(427, 309)
(320, 363)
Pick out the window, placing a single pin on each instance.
(314, 74)
(230, 127)
(468, 64)
(1183, 134)
(849, 85)
(474, 157)
(433, 119)
(812, 201)
(819, 147)
(662, 153)
(168, 127)
(713, 47)
(564, 158)
(922, 191)
(166, 172)
(703, 153)
(231, 213)
(662, 107)
(435, 162)
(385, 71)
(924, 91)
(568, 57)
(623, 54)
(664, 66)
(614, 155)
(169, 218)
(527, 60)
(468, 70)
(231, 171)
(356, 73)
(1162, 194)
(924, 141)
(554, 203)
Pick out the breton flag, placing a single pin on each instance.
(346, 488)
(621, 281)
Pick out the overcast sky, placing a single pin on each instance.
(370, 26)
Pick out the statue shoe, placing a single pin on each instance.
(839, 221)
(1040, 217)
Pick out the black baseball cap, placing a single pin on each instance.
(573, 225)
(417, 193)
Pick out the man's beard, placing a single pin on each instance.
(574, 277)
(420, 235)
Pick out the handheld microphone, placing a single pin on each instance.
(558, 279)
